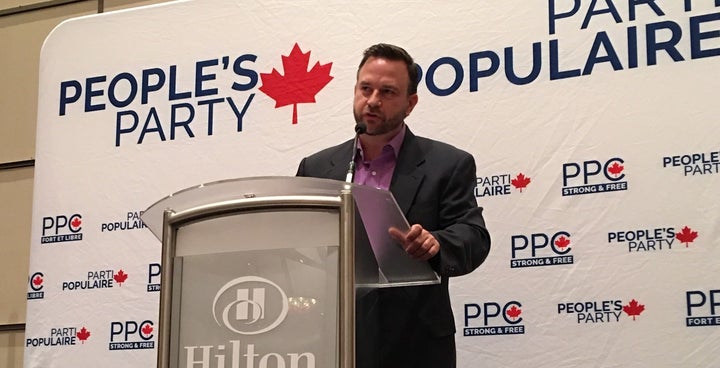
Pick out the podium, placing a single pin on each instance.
(263, 271)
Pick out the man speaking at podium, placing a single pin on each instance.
(433, 183)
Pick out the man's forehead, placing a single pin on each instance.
(383, 70)
(381, 62)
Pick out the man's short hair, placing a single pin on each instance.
(392, 52)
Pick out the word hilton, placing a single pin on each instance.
(200, 356)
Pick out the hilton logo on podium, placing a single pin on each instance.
(250, 305)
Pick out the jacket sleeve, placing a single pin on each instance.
(463, 237)
(301, 168)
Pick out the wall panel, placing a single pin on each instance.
(111, 5)
(16, 187)
(11, 349)
(21, 38)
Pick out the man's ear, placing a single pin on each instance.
(412, 101)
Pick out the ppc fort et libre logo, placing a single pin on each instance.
(61, 228)
(36, 282)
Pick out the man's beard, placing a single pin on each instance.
(386, 124)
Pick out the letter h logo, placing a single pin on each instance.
(250, 307)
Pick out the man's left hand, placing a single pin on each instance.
(417, 242)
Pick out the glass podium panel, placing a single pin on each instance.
(256, 288)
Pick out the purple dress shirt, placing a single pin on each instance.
(378, 172)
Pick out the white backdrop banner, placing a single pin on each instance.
(594, 125)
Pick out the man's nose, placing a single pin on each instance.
(374, 99)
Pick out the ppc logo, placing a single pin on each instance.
(597, 177)
(61, 228)
(496, 319)
(557, 254)
(709, 305)
(131, 335)
(252, 305)
(35, 282)
(298, 85)
(153, 283)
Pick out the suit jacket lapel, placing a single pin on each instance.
(339, 162)
(408, 173)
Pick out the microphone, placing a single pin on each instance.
(360, 128)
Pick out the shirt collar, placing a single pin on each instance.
(395, 143)
(397, 140)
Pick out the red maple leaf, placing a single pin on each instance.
(616, 169)
(633, 309)
(83, 334)
(520, 182)
(147, 329)
(37, 280)
(513, 312)
(298, 85)
(120, 277)
(76, 222)
(686, 236)
(562, 242)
